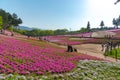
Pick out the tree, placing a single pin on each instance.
(115, 23)
(1, 22)
(60, 31)
(9, 20)
(10, 28)
(118, 21)
(16, 21)
(4, 18)
(19, 21)
(82, 30)
(88, 26)
(35, 32)
(102, 24)
(14, 16)
(49, 32)
(117, 2)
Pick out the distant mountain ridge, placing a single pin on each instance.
(25, 28)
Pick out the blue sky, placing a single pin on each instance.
(54, 14)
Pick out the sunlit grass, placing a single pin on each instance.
(114, 53)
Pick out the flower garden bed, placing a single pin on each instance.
(85, 70)
(30, 57)
(37, 60)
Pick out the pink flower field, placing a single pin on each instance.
(61, 39)
(65, 39)
(117, 31)
(35, 57)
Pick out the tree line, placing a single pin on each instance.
(8, 21)
(38, 32)
(11, 21)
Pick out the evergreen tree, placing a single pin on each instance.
(115, 23)
(102, 24)
(88, 26)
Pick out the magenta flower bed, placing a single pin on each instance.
(114, 30)
(61, 39)
(87, 34)
(21, 57)
(117, 31)
(64, 39)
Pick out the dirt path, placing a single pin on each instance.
(94, 50)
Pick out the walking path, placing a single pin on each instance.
(92, 50)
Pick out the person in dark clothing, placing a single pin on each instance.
(69, 48)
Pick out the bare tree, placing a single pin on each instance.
(117, 2)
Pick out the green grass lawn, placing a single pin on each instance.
(114, 53)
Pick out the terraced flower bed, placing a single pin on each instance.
(62, 40)
(35, 58)
(66, 39)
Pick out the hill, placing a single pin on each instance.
(25, 28)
